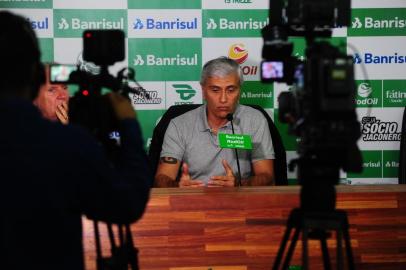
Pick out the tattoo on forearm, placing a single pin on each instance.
(169, 160)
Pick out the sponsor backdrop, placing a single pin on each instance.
(169, 41)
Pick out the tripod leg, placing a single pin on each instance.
(348, 248)
(282, 247)
(339, 250)
(132, 252)
(326, 255)
(111, 237)
(305, 255)
(291, 249)
(99, 259)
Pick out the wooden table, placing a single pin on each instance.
(241, 228)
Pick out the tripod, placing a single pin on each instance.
(315, 218)
(122, 255)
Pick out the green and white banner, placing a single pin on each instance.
(167, 42)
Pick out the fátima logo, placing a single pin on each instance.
(153, 60)
(185, 91)
(154, 23)
(238, 53)
(374, 129)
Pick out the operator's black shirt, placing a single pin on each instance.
(50, 175)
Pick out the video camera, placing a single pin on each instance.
(88, 107)
(320, 108)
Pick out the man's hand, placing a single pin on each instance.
(227, 180)
(62, 113)
(186, 180)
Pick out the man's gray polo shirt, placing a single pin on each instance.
(188, 138)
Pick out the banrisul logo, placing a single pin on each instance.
(374, 58)
(154, 60)
(161, 60)
(71, 23)
(378, 22)
(185, 91)
(225, 23)
(254, 92)
(369, 93)
(394, 93)
(40, 24)
(372, 165)
(373, 130)
(146, 23)
(177, 24)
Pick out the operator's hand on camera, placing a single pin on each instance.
(121, 106)
(62, 113)
(227, 180)
(185, 179)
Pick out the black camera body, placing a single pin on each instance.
(320, 106)
(89, 107)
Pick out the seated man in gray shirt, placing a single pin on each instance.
(191, 139)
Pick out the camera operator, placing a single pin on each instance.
(51, 173)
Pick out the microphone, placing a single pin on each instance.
(230, 118)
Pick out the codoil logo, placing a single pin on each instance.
(357, 23)
(364, 91)
(238, 53)
(39, 24)
(79, 24)
(370, 58)
(152, 60)
(176, 24)
(374, 129)
(185, 91)
(142, 99)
